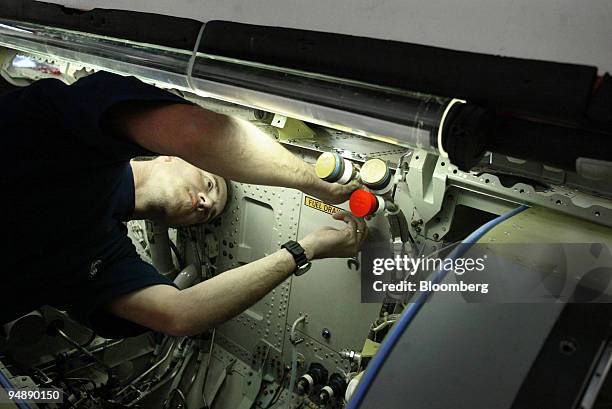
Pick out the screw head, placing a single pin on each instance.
(568, 346)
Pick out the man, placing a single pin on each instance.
(176, 193)
(69, 186)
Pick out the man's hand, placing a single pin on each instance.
(328, 242)
(332, 193)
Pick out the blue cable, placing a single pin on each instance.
(411, 312)
(6, 384)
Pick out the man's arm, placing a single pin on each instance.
(205, 305)
(223, 145)
(196, 309)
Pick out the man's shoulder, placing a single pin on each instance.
(46, 86)
(36, 93)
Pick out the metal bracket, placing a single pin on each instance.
(219, 383)
(426, 182)
(439, 226)
(290, 129)
(398, 226)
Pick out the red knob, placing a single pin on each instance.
(363, 203)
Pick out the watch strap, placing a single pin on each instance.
(299, 255)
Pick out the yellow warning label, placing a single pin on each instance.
(319, 205)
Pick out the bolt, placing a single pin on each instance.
(568, 347)
(326, 333)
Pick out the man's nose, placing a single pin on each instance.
(204, 201)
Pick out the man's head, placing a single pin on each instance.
(180, 193)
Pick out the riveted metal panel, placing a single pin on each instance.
(330, 296)
(257, 221)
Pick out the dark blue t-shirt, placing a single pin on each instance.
(67, 189)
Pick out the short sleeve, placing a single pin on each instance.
(82, 106)
(124, 276)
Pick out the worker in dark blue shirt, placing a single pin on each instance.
(68, 186)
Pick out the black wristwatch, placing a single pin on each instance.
(299, 255)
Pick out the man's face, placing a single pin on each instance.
(189, 194)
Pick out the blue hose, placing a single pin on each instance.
(6, 384)
(398, 329)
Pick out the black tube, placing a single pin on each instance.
(546, 89)
(421, 112)
(549, 144)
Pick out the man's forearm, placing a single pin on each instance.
(221, 298)
(220, 144)
(246, 154)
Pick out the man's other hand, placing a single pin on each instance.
(328, 242)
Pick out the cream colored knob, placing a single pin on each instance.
(328, 166)
(375, 174)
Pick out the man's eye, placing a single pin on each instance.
(210, 185)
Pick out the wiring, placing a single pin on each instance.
(386, 321)
(151, 369)
(75, 344)
(208, 360)
(176, 392)
(177, 386)
(196, 251)
(166, 377)
(279, 390)
(294, 356)
(198, 363)
(90, 340)
(179, 257)
(193, 57)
